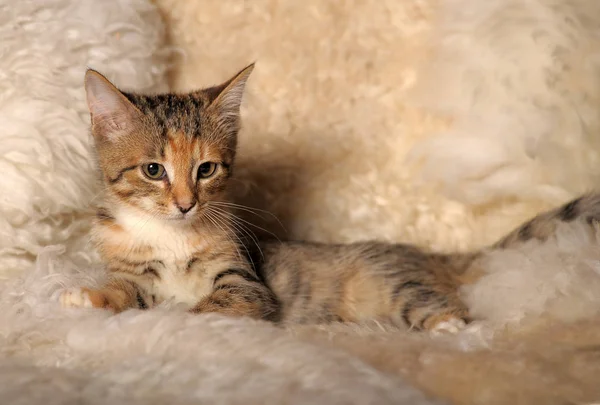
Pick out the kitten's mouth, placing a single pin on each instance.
(186, 217)
(180, 218)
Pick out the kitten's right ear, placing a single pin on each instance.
(112, 113)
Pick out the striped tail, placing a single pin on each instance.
(544, 225)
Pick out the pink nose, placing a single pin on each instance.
(185, 206)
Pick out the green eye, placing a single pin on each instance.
(154, 171)
(206, 169)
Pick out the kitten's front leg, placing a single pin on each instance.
(238, 292)
(117, 295)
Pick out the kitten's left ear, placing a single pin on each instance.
(226, 99)
(112, 113)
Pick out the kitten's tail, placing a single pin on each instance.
(544, 225)
(587, 208)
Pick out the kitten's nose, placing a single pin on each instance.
(185, 206)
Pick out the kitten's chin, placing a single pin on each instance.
(181, 220)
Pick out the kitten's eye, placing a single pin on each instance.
(206, 170)
(154, 171)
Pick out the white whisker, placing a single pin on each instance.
(251, 210)
(238, 226)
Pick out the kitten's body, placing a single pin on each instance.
(164, 231)
(396, 283)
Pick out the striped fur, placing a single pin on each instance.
(586, 207)
(398, 283)
(159, 237)
(171, 238)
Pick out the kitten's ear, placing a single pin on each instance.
(226, 99)
(112, 113)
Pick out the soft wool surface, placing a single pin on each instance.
(443, 123)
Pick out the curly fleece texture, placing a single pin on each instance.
(443, 123)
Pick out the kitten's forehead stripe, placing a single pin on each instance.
(181, 112)
(181, 152)
(172, 144)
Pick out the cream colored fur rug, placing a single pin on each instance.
(443, 123)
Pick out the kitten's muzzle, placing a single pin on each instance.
(185, 207)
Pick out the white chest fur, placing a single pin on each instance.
(170, 241)
(172, 244)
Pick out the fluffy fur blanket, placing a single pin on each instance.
(439, 123)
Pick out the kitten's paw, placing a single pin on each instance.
(76, 298)
(451, 325)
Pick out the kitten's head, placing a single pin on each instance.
(167, 154)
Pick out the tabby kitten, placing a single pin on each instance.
(164, 160)
(164, 233)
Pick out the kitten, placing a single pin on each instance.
(164, 233)
(165, 162)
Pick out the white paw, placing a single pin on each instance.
(75, 298)
(453, 326)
